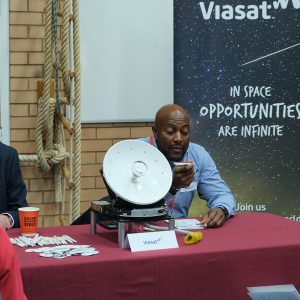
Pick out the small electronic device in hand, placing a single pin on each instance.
(181, 164)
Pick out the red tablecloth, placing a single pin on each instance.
(249, 250)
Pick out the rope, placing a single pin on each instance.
(58, 129)
(51, 153)
(66, 81)
(55, 26)
(29, 158)
(50, 137)
(67, 54)
(44, 116)
(65, 48)
(71, 79)
(77, 125)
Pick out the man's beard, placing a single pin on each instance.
(168, 156)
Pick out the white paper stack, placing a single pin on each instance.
(188, 224)
(274, 292)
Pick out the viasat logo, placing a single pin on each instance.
(241, 12)
(153, 242)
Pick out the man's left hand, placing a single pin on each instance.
(214, 217)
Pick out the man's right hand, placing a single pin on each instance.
(4, 221)
(183, 176)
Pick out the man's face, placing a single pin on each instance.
(172, 135)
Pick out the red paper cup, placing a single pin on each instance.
(29, 217)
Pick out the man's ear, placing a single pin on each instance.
(154, 130)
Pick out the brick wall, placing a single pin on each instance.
(26, 67)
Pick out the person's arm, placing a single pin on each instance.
(215, 191)
(11, 286)
(16, 189)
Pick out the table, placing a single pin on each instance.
(249, 250)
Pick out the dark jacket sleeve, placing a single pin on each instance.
(15, 187)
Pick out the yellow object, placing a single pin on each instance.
(193, 237)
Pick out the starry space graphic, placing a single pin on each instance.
(210, 57)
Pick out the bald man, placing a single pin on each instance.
(171, 135)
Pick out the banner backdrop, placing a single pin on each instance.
(237, 72)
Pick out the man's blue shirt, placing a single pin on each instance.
(208, 182)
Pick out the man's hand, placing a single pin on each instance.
(214, 217)
(183, 175)
(4, 221)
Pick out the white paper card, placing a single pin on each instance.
(187, 224)
(274, 292)
(152, 240)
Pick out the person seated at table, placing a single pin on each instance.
(11, 286)
(171, 135)
(12, 187)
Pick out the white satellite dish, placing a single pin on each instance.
(137, 172)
